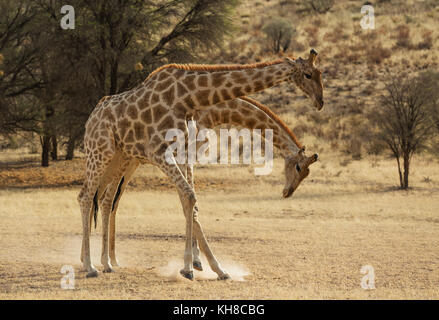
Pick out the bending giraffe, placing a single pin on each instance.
(243, 112)
(133, 125)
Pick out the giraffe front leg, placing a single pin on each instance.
(187, 198)
(213, 262)
(195, 250)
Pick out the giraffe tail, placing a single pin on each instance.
(95, 208)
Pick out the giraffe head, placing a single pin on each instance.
(308, 78)
(296, 169)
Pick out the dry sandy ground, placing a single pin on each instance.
(311, 246)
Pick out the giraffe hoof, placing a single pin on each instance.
(108, 270)
(187, 274)
(92, 274)
(225, 276)
(198, 266)
(115, 263)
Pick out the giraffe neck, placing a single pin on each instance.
(250, 114)
(195, 86)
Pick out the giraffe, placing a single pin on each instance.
(133, 125)
(243, 112)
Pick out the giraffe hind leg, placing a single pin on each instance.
(96, 172)
(124, 179)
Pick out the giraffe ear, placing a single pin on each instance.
(312, 57)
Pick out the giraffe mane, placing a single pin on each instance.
(276, 118)
(214, 67)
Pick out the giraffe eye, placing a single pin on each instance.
(298, 168)
(307, 75)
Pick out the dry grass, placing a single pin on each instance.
(312, 246)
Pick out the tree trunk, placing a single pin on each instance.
(54, 152)
(401, 182)
(70, 149)
(406, 170)
(45, 145)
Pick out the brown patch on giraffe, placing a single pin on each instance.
(150, 131)
(215, 116)
(123, 125)
(202, 81)
(163, 75)
(181, 90)
(189, 82)
(139, 130)
(239, 78)
(181, 125)
(101, 141)
(155, 141)
(203, 97)
(258, 75)
(130, 136)
(218, 79)
(132, 98)
(132, 112)
(259, 85)
(120, 109)
(168, 96)
(180, 110)
(261, 116)
(248, 89)
(178, 73)
(189, 102)
(108, 115)
(215, 98)
(140, 148)
(236, 117)
(229, 84)
(158, 112)
(225, 94)
(140, 92)
(225, 116)
(163, 85)
(207, 120)
(144, 101)
(162, 148)
(155, 98)
(237, 92)
(146, 116)
(250, 123)
(150, 84)
(167, 123)
(268, 78)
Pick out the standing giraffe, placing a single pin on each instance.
(243, 112)
(133, 125)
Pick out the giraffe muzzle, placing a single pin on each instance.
(288, 192)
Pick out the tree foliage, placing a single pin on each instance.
(51, 78)
(279, 33)
(406, 118)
